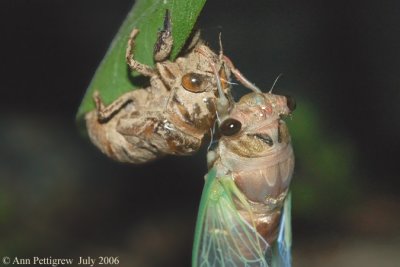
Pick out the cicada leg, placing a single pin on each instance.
(163, 46)
(134, 64)
(153, 131)
(239, 76)
(105, 113)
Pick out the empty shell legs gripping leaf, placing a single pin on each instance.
(172, 115)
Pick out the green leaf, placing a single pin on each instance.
(113, 77)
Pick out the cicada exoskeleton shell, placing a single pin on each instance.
(171, 116)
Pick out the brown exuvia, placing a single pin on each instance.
(172, 115)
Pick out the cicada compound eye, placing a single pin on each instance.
(290, 102)
(193, 82)
(230, 127)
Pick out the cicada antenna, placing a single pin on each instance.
(212, 132)
(211, 154)
(276, 80)
(221, 48)
(222, 101)
(221, 57)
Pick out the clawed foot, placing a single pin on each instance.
(163, 46)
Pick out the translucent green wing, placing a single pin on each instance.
(223, 238)
(284, 242)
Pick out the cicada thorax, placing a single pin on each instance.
(259, 158)
(188, 110)
(191, 106)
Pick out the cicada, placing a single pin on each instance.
(244, 214)
(172, 115)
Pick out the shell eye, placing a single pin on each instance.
(193, 82)
(290, 102)
(230, 127)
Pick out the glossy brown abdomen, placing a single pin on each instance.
(265, 189)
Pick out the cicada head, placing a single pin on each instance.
(192, 87)
(193, 73)
(254, 127)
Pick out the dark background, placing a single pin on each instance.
(60, 197)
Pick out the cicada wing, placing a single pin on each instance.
(284, 241)
(223, 237)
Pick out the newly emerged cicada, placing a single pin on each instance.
(172, 115)
(245, 209)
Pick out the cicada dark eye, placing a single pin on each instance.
(290, 102)
(230, 127)
(193, 82)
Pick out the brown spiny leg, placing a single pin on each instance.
(153, 132)
(222, 72)
(104, 113)
(163, 45)
(133, 64)
(194, 41)
(239, 76)
(223, 76)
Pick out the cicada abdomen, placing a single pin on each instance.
(242, 210)
(256, 150)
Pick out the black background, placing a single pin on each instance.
(59, 196)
